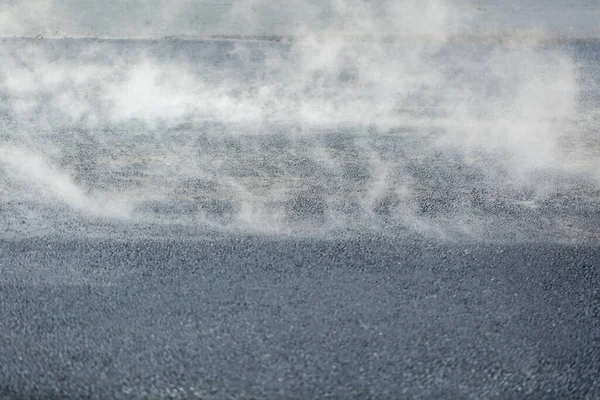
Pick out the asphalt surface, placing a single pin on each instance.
(251, 317)
(164, 255)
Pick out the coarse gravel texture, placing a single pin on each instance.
(253, 317)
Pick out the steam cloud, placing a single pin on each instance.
(379, 117)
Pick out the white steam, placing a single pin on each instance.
(380, 115)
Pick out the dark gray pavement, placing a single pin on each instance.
(163, 245)
(252, 317)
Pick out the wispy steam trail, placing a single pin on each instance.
(377, 118)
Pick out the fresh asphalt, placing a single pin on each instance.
(253, 317)
(145, 313)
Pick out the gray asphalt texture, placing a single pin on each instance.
(187, 298)
(251, 317)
